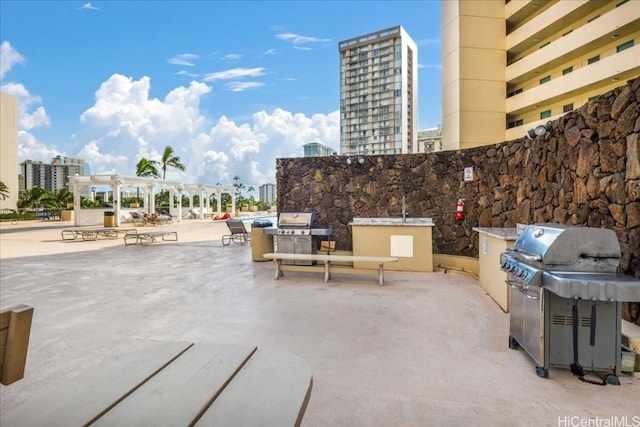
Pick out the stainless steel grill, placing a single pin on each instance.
(562, 279)
(297, 233)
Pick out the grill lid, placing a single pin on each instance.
(296, 220)
(557, 244)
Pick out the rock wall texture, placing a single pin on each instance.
(584, 172)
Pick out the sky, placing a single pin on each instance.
(229, 85)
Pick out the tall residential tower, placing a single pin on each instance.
(508, 66)
(379, 93)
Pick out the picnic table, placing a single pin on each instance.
(178, 384)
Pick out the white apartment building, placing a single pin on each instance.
(510, 65)
(430, 140)
(315, 149)
(52, 176)
(379, 93)
(267, 193)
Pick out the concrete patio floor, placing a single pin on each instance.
(427, 349)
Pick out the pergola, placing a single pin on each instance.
(148, 186)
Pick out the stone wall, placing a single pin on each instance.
(584, 172)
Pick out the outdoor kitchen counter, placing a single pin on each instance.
(494, 241)
(409, 240)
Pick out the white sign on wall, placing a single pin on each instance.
(468, 173)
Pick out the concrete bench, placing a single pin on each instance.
(15, 328)
(328, 267)
(150, 237)
(94, 233)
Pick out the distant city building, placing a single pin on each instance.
(9, 149)
(267, 193)
(52, 176)
(509, 66)
(430, 140)
(315, 149)
(379, 93)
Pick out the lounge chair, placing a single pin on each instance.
(142, 219)
(239, 233)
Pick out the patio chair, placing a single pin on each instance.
(239, 233)
(138, 219)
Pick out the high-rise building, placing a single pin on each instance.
(315, 149)
(379, 93)
(430, 140)
(9, 149)
(508, 66)
(52, 176)
(267, 193)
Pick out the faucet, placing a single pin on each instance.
(404, 210)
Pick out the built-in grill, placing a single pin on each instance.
(565, 300)
(297, 233)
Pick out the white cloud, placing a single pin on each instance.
(232, 57)
(242, 86)
(428, 42)
(88, 6)
(186, 73)
(9, 57)
(125, 124)
(271, 52)
(185, 59)
(298, 39)
(430, 66)
(302, 48)
(29, 148)
(235, 73)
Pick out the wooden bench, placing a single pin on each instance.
(150, 237)
(94, 233)
(178, 384)
(15, 327)
(328, 267)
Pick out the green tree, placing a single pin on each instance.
(58, 199)
(250, 190)
(169, 159)
(33, 197)
(4, 191)
(239, 187)
(147, 168)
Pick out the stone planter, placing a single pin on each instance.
(253, 208)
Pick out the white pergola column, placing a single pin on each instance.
(219, 203)
(117, 188)
(76, 203)
(152, 198)
(200, 201)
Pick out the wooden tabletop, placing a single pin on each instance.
(178, 384)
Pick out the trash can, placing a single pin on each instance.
(261, 242)
(109, 219)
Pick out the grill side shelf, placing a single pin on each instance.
(592, 286)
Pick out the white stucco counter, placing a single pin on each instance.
(409, 240)
(493, 241)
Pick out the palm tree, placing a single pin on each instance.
(58, 199)
(250, 190)
(170, 160)
(4, 191)
(148, 168)
(32, 197)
